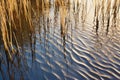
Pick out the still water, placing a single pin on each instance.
(65, 46)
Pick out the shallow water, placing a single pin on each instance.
(65, 46)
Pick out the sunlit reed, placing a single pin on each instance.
(13, 13)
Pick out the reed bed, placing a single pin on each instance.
(16, 18)
(13, 13)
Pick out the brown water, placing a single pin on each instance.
(65, 46)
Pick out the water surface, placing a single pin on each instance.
(65, 46)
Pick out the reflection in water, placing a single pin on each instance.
(64, 45)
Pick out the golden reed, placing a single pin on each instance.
(14, 12)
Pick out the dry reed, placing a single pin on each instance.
(16, 19)
(14, 12)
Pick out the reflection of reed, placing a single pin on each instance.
(13, 11)
(61, 2)
(63, 14)
(17, 31)
(106, 12)
(10, 17)
(84, 11)
(63, 26)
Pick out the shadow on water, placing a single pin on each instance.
(68, 41)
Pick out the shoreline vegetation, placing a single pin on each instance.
(13, 13)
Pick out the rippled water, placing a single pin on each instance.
(66, 47)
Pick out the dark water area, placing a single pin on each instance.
(64, 46)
